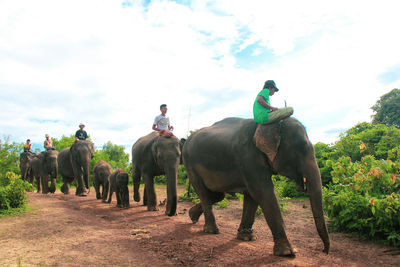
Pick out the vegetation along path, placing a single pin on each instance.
(65, 230)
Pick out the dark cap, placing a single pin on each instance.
(270, 83)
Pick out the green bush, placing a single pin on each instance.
(365, 198)
(12, 191)
(286, 188)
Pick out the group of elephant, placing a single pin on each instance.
(233, 155)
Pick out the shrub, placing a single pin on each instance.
(286, 188)
(364, 198)
(12, 191)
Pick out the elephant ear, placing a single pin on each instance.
(267, 139)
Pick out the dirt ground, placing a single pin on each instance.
(65, 230)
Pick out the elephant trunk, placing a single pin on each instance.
(172, 199)
(136, 186)
(314, 188)
(53, 175)
(85, 168)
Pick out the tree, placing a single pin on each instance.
(64, 142)
(9, 156)
(387, 109)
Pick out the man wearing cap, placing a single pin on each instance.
(81, 134)
(48, 143)
(262, 107)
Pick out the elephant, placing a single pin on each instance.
(238, 155)
(73, 163)
(154, 155)
(119, 180)
(43, 166)
(102, 171)
(25, 159)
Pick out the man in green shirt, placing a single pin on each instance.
(262, 107)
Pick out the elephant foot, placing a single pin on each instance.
(65, 189)
(211, 229)
(152, 208)
(195, 213)
(103, 201)
(119, 206)
(98, 196)
(284, 248)
(168, 213)
(246, 235)
(81, 192)
(136, 197)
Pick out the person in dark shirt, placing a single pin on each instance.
(81, 134)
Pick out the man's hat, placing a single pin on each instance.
(271, 83)
(47, 135)
(81, 124)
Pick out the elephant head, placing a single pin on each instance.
(81, 154)
(25, 165)
(289, 152)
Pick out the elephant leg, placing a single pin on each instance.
(45, 184)
(78, 173)
(150, 192)
(118, 195)
(262, 189)
(105, 191)
(136, 185)
(97, 189)
(245, 231)
(144, 196)
(195, 212)
(65, 187)
(110, 194)
(37, 178)
(53, 186)
(207, 199)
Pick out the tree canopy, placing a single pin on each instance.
(387, 109)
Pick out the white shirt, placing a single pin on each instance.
(162, 122)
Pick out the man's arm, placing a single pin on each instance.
(262, 102)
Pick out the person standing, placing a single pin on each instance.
(162, 123)
(81, 134)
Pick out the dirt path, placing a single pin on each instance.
(74, 231)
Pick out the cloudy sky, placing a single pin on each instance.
(110, 64)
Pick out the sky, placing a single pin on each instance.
(110, 64)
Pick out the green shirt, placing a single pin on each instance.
(260, 112)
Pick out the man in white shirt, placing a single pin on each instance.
(161, 123)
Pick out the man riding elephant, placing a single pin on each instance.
(154, 155)
(239, 155)
(73, 163)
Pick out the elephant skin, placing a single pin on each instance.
(73, 163)
(119, 180)
(238, 155)
(25, 159)
(153, 155)
(102, 171)
(44, 166)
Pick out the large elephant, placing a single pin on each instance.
(238, 155)
(25, 159)
(43, 166)
(153, 155)
(102, 171)
(73, 163)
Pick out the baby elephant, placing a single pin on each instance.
(119, 183)
(102, 171)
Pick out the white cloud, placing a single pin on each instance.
(111, 67)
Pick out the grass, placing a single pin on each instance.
(13, 212)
